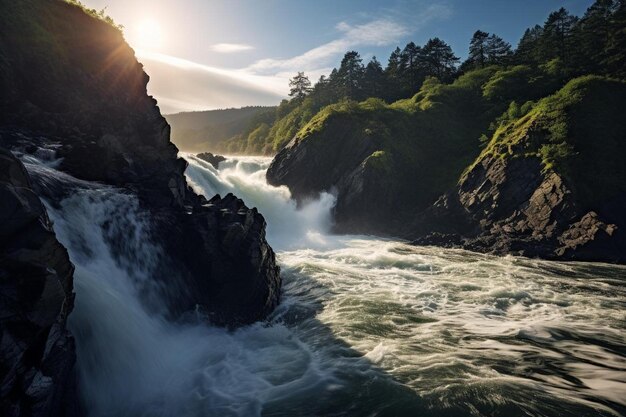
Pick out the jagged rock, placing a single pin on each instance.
(309, 167)
(341, 163)
(211, 159)
(228, 269)
(95, 110)
(514, 205)
(37, 352)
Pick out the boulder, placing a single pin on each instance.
(211, 159)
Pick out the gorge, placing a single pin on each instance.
(384, 262)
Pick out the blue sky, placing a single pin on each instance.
(206, 54)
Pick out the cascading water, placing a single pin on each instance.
(365, 327)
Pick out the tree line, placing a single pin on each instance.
(594, 43)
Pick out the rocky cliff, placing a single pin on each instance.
(36, 350)
(385, 161)
(70, 83)
(548, 184)
(78, 87)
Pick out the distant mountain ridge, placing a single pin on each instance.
(213, 130)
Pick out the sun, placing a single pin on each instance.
(148, 34)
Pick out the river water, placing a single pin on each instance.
(366, 326)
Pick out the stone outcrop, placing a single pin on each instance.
(211, 159)
(514, 205)
(37, 352)
(92, 107)
(342, 163)
(219, 249)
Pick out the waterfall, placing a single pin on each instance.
(366, 326)
(288, 227)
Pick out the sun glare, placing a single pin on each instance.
(148, 34)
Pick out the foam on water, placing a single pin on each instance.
(366, 326)
(287, 227)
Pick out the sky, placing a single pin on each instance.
(210, 54)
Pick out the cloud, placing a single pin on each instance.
(378, 32)
(381, 31)
(182, 85)
(229, 48)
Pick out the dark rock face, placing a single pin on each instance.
(312, 166)
(229, 269)
(338, 164)
(37, 352)
(106, 128)
(69, 82)
(513, 205)
(211, 159)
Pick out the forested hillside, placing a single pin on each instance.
(214, 130)
(434, 127)
(546, 56)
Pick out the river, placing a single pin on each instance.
(366, 326)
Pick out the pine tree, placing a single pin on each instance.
(412, 67)
(350, 76)
(439, 59)
(393, 74)
(527, 51)
(557, 39)
(614, 62)
(300, 86)
(593, 33)
(374, 79)
(478, 49)
(395, 62)
(497, 50)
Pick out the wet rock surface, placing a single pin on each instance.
(89, 114)
(211, 159)
(37, 353)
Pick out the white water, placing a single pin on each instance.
(365, 327)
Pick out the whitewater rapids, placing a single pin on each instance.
(366, 326)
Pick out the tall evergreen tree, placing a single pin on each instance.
(393, 74)
(478, 49)
(412, 67)
(300, 86)
(527, 51)
(614, 62)
(497, 50)
(557, 39)
(374, 79)
(439, 59)
(350, 75)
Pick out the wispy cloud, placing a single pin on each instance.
(378, 32)
(182, 85)
(229, 48)
(395, 24)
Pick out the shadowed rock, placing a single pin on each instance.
(211, 159)
(37, 353)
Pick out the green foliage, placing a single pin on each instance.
(594, 44)
(98, 14)
(508, 83)
(431, 136)
(579, 132)
(425, 78)
(381, 162)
